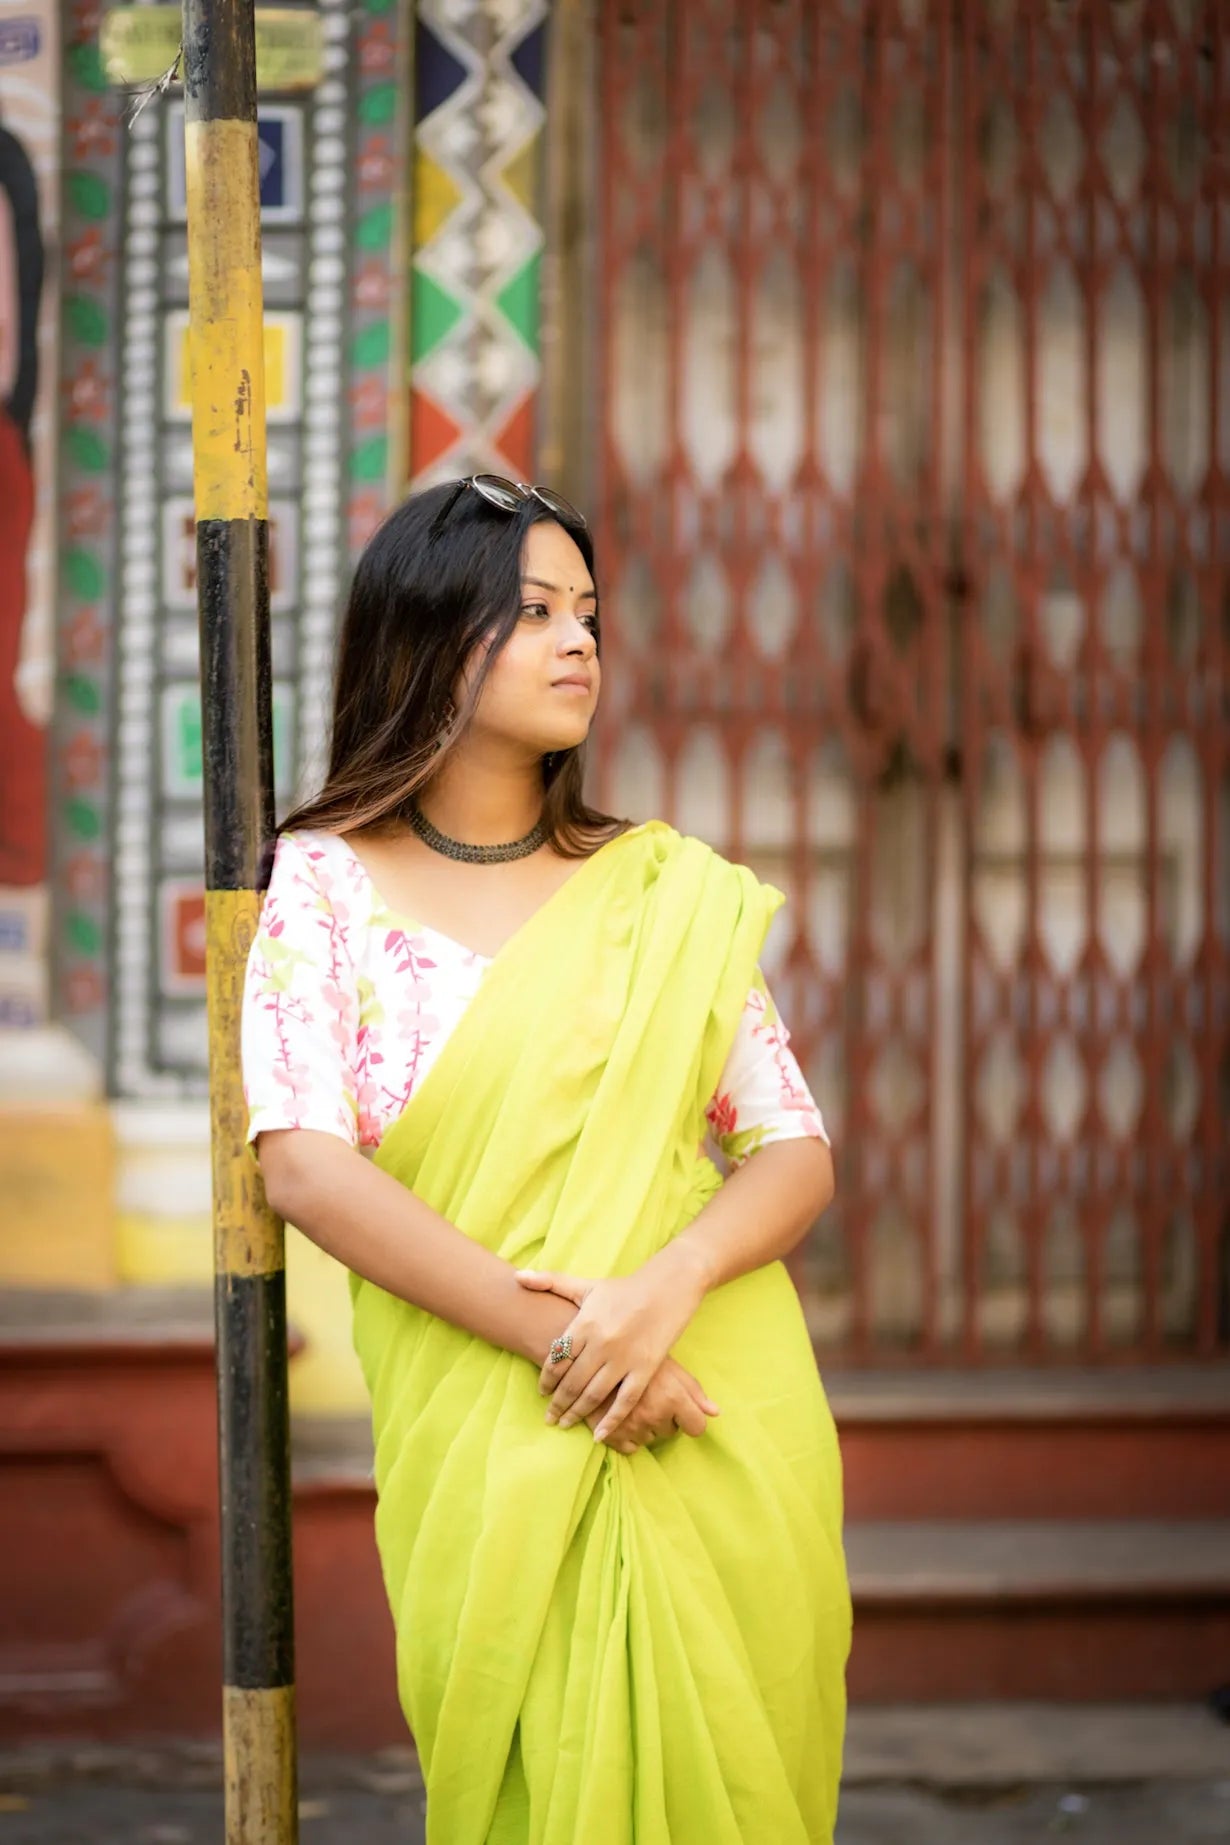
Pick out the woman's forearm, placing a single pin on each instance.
(374, 1225)
(763, 1210)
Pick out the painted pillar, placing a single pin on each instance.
(477, 237)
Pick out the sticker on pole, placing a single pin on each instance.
(138, 43)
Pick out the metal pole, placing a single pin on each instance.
(231, 493)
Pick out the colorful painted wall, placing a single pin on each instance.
(402, 239)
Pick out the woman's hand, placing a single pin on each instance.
(673, 1404)
(623, 1331)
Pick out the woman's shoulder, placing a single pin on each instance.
(717, 865)
(313, 898)
(309, 864)
(308, 846)
(669, 839)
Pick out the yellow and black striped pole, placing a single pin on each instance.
(231, 492)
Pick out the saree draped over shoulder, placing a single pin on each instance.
(594, 1648)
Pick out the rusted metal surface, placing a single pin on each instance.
(1093, 668)
(915, 423)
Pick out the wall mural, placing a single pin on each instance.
(29, 193)
(120, 799)
(158, 1025)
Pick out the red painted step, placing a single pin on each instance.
(1080, 1610)
(1035, 1444)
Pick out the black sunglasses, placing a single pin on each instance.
(509, 494)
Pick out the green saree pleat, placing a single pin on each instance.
(591, 1646)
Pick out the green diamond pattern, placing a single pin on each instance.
(433, 315)
(518, 301)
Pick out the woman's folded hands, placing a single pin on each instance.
(619, 1376)
(673, 1403)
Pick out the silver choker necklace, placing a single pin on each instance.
(475, 855)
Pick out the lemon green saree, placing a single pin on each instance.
(593, 1648)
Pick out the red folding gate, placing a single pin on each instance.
(915, 435)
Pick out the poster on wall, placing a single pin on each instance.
(29, 211)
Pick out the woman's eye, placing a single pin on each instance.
(534, 608)
(591, 622)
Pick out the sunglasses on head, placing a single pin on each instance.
(509, 494)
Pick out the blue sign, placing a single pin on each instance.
(19, 40)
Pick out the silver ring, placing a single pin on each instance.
(561, 1348)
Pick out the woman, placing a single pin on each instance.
(526, 1013)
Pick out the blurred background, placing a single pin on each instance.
(887, 343)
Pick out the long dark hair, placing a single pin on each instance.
(442, 571)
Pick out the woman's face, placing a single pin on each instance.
(528, 698)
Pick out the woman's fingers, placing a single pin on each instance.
(627, 1397)
(568, 1385)
(595, 1415)
(598, 1387)
(697, 1393)
(575, 1379)
(546, 1281)
(701, 1398)
(553, 1375)
(691, 1417)
(633, 1415)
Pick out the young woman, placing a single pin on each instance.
(621, 1615)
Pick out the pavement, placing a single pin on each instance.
(954, 1775)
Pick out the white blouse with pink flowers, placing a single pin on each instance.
(347, 1005)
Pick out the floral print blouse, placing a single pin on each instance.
(347, 1004)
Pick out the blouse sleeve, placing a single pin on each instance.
(762, 1095)
(299, 1023)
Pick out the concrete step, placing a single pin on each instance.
(1012, 1744)
(331, 1453)
(1039, 1608)
(1149, 1442)
(58, 1318)
(979, 1748)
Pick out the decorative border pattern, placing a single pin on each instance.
(323, 404)
(89, 228)
(377, 377)
(136, 804)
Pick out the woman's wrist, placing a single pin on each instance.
(685, 1263)
(547, 1316)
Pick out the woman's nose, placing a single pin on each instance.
(578, 639)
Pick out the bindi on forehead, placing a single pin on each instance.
(542, 583)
